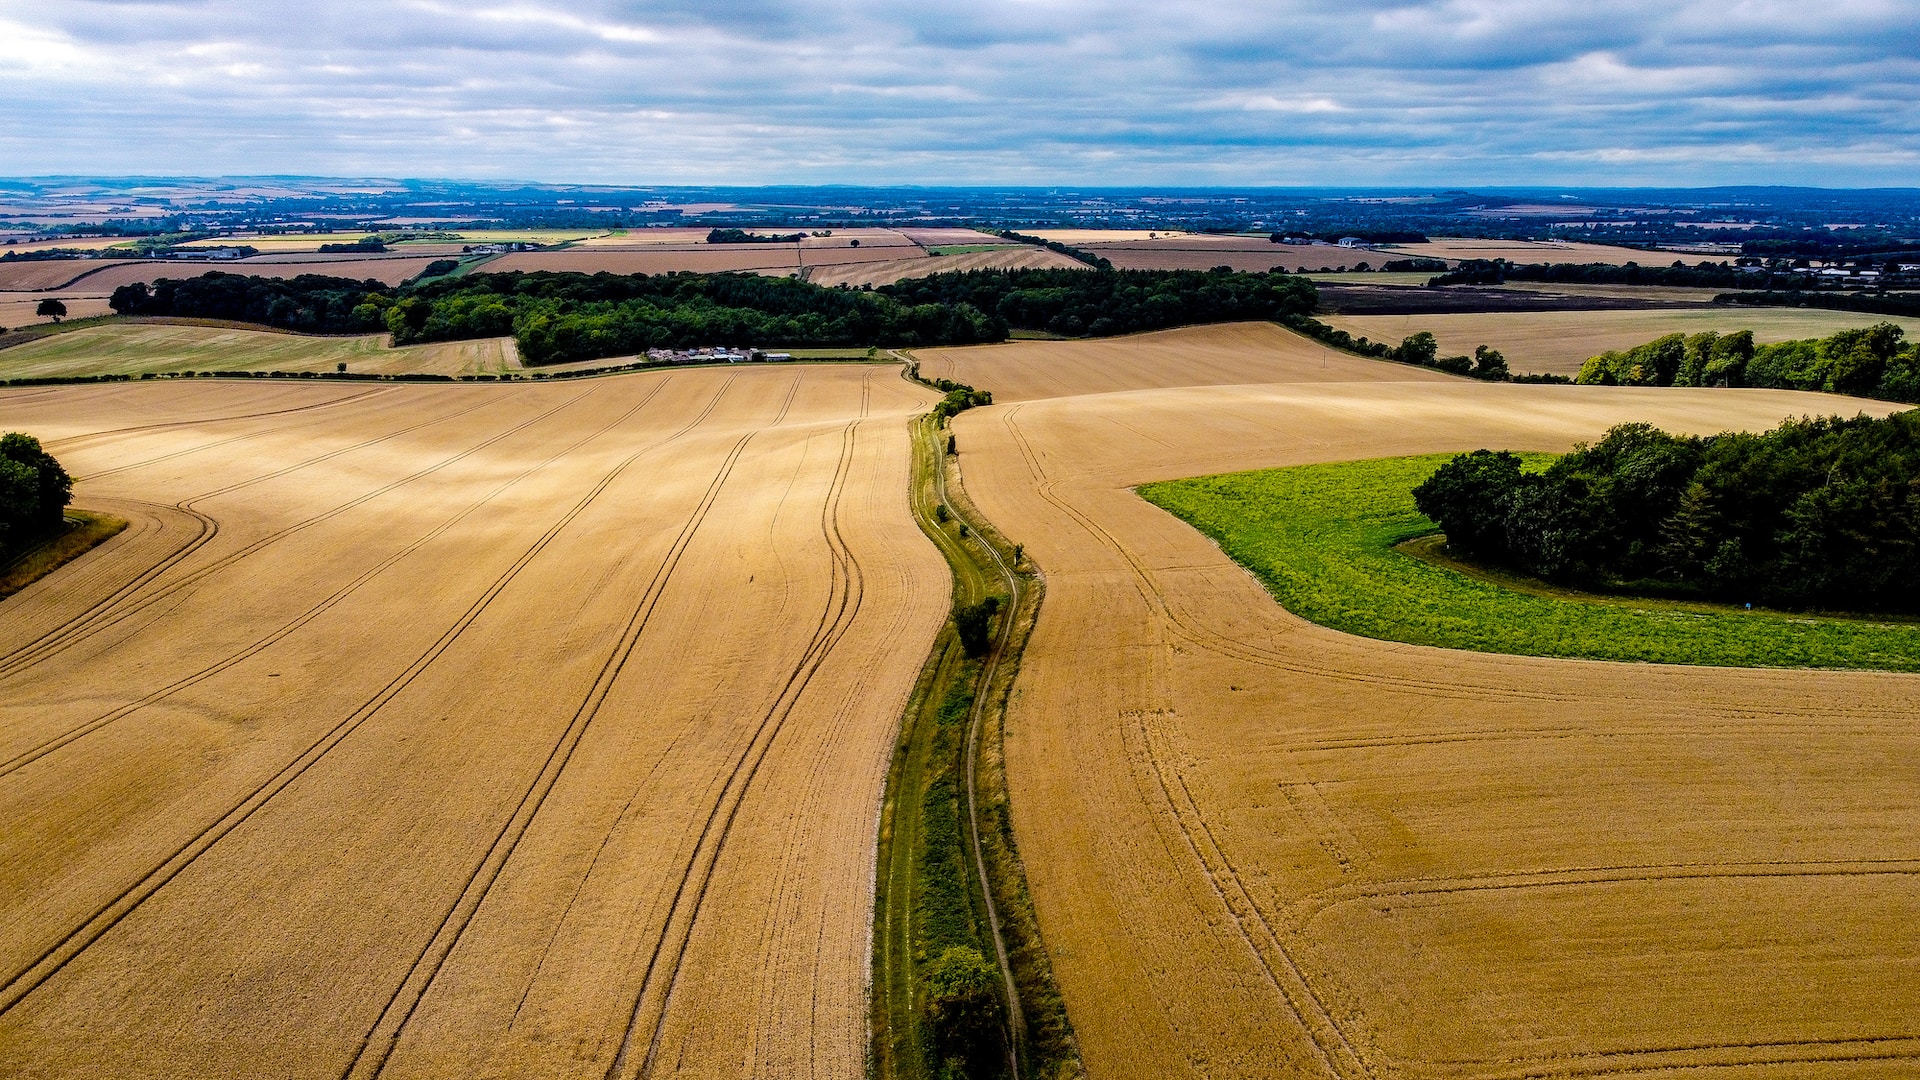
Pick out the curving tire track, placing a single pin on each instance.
(62, 952)
(73, 440)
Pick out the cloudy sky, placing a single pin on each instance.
(1283, 92)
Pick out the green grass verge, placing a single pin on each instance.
(1322, 538)
(928, 889)
(84, 532)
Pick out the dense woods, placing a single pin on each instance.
(34, 491)
(1075, 303)
(1875, 361)
(1816, 514)
(310, 303)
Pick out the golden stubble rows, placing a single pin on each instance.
(460, 731)
(1261, 848)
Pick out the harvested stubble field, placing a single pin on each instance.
(122, 348)
(1222, 355)
(459, 731)
(1022, 257)
(1560, 341)
(1259, 847)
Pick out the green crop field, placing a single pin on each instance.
(1323, 539)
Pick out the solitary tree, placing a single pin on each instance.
(51, 307)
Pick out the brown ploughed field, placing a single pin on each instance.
(49, 274)
(1262, 848)
(459, 731)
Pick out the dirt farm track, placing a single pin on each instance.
(512, 731)
(1261, 848)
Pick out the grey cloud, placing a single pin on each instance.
(1082, 91)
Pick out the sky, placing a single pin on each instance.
(1086, 92)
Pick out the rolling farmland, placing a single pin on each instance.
(1560, 341)
(460, 730)
(1259, 847)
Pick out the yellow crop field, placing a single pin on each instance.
(1559, 341)
(1258, 847)
(505, 730)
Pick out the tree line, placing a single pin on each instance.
(1875, 361)
(1820, 514)
(1704, 275)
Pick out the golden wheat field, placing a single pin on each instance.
(1261, 848)
(1559, 341)
(390, 270)
(459, 731)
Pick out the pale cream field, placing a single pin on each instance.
(129, 348)
(1560, 341)
(388, 269)
(1261, 848)
(459, 731)
(18, 311)
(1456, 249)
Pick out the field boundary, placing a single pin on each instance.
(984, 565)
(85, 531)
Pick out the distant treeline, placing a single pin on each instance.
(1875, 362)
(741, 236)
(1817, 514)
(357, 247)
(1074, 303)
(562, 317)
(1705, 275)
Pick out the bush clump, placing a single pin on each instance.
(1875, 361)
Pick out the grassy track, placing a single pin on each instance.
(948, 873)
(1322, 538)
(85, 532)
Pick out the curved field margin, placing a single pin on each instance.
(1324, 540)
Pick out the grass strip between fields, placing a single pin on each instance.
(929, 890)
(1325, 541)
(84, 532)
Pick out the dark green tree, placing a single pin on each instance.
(51, 308)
